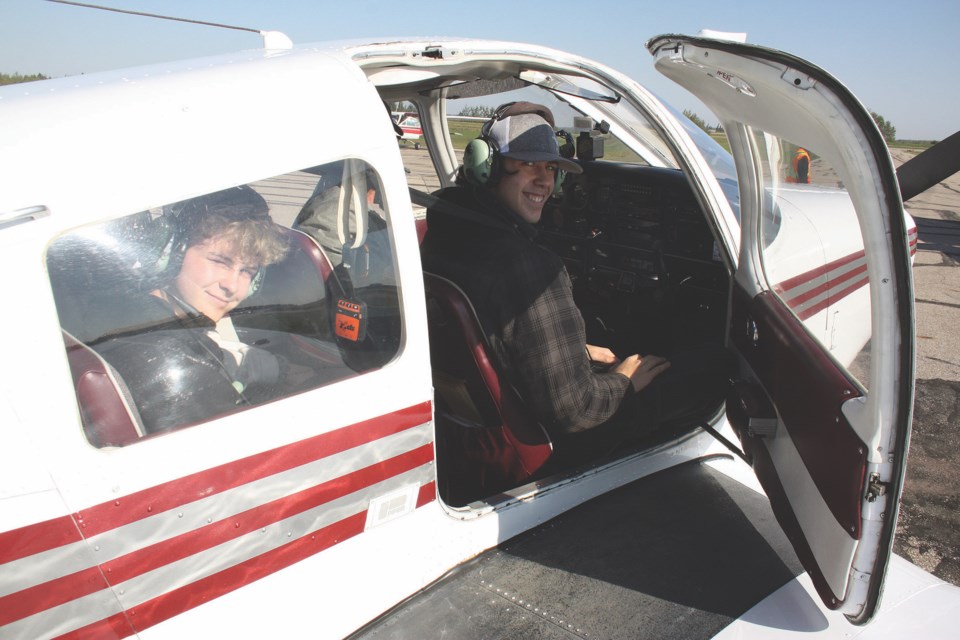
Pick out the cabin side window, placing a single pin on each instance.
(196, 309)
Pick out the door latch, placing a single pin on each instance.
(750, 411)
(875, 488)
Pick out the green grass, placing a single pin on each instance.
(721, 139)
(462, 132)
(920, 145)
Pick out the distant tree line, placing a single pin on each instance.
(700, 122)
(477, 111)
(16, 78)
(887, 129)
(400, 107)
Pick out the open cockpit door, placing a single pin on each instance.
(822, 307)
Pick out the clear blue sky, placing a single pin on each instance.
(899, 57)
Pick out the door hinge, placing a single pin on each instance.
(875, 488)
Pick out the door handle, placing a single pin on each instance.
(20, 216)
(750, 410)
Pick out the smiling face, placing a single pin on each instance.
(214, 279)
(525, 187)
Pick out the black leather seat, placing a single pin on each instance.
(489, 440)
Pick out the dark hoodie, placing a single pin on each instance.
(524, 301)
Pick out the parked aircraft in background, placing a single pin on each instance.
(409, 123)
(362, 487)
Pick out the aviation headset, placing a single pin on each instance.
(482, 163)
(179, 220)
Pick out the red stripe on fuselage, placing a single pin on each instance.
(833, 299)
(173, 549)
(196, 593)
(171, 495)
(428, 493)
(116, 626)
(44, 596)
(42, 536)
(40, 597)
(807, 276)
(826, 286)
(786, 286)
(35, 538)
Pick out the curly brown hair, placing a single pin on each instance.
(240, 215)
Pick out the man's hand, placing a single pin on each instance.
(642, 369)
(602, 355)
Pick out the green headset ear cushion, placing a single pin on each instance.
(478, 161)
(255, 282)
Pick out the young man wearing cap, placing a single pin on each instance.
(481, 236)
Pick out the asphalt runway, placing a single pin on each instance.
(928, 532)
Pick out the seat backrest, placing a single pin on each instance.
(481, 416)
(295, 294)
(421, 224)
(108, 413)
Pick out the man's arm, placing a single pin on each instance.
(545, 340)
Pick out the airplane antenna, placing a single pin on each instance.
(271, 39)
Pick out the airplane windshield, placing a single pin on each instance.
(650, 145)
(561, 84)
(719, 159)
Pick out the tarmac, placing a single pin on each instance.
(928, 531)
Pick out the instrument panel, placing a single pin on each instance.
(641, 255)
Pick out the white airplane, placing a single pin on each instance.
(409, 124)
(366, 490)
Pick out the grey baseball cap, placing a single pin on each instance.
(529, 137)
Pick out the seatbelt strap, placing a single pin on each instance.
(729, 445)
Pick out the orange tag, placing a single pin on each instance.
(350, 320)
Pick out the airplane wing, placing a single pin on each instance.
(618, 567)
